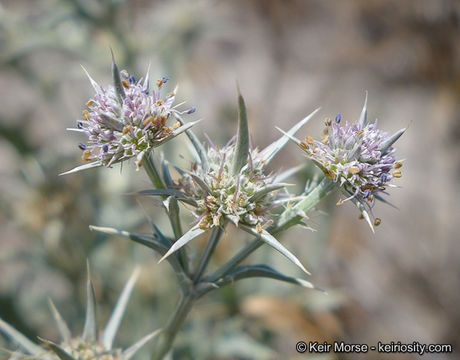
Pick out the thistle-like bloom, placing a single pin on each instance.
(231, 184)
(245, 198)
(359, 157)
(127, 120)
(87, 346)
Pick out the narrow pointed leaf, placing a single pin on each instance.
(64, 331)
(178, 131)
(59, 351)
(274, 243)
(289, 173)
(174, 216)
(201, 183)
(131, 351)
(365, 214)
(94, 84)
(165, 171)
(251, 271)
(188, 236)
(108, 335)
(19, 338)
(120, 91)
(382, 199)
(242, 141)
(197, 144)
(82, 167)
(267, 189)
(90, 328)
(160, 244)
(363, 116)
(391, 140)
(168, 192)
(271, 150)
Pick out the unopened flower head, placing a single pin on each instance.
(358, 156)
(246, 197)
(90, 345)
(127, 119)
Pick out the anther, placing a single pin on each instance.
(377, 221)
(354, 170)
(398, 165)
(82, 146)
(397, 174)
(338, 118)
(309, 140)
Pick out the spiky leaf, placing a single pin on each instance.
(271, 150)
(19, 338)
(262, 270)
(59, 351)
(188, 236)
(63, 329)
(242, 141)
(90, 328)
(108, 335)
(274, 243)
(131, 351)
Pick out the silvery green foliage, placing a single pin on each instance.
(127, 119)
(358, 157)
(87, 346)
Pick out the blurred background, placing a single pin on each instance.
(291, 56)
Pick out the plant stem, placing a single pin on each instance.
(173, 216)
(287, 219)
(174, 325)
(209, 249)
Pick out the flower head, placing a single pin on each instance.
(87, 346)
(246, 197)
(359, 157)
(127, 120)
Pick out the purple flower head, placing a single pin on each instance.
(127, 120)
(359, 157)
(221, 195)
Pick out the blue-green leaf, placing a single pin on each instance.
(120, 91)
(271, 150)
(188, 236)
(131, 351)
(19, 338)
(108, 335)
(64, 331)
(363, 116)
(274, 243)
(242, 141)
(90, 328)
(59, 351)
(262, 270)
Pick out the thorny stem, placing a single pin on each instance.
(206, 256)
(174, 325)
(287, 219)
(173, 216)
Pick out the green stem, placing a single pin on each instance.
(209, 249)
(287, 219)
(152, 171)
(173, 216)
(174, 325)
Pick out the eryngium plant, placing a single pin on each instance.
(90, 345)
(126, 119)
(227, 185)
(359, 158)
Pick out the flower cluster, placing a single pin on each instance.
(359, 157)
(127, 120)
(246, 197)
(90, 345)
